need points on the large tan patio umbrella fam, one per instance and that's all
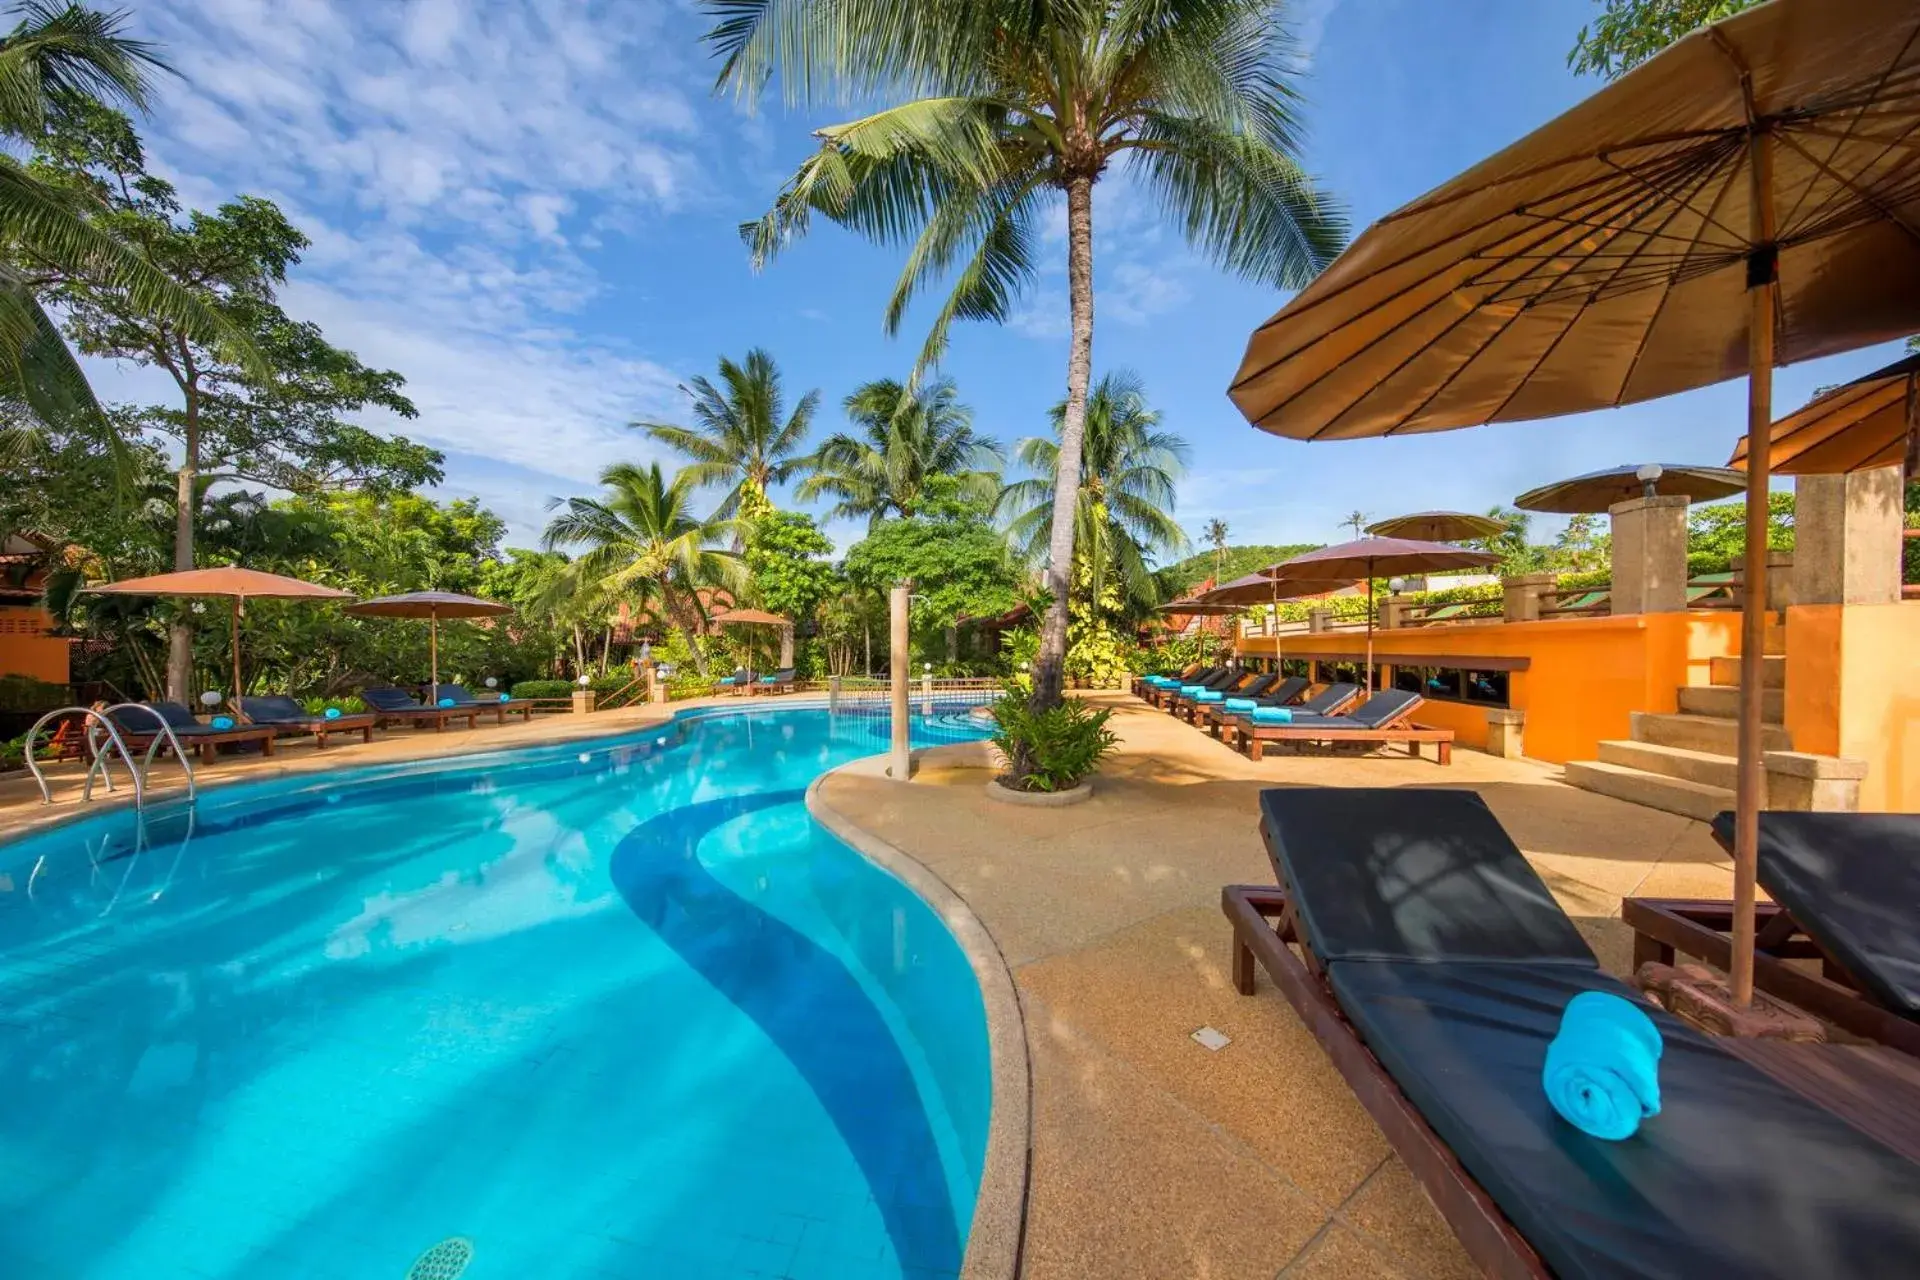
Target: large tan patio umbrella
(1873, 421)
(1596, 492)
(1371, 558)
(433, 606)
(752, 618)
(1438, 526)
(1748, 196)
(231, 581)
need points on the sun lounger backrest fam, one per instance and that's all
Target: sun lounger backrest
(1391, 873)
(389, 698)
(459, 693)
(1852, 881)
(273, 707)
(1287, 690)
(1330, 698)
(1259, 687)
(1385, 707)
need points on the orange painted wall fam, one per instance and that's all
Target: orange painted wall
(25, 649)
(1585, 676)
(1853, 689)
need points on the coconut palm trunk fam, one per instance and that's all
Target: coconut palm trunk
(1049, 669)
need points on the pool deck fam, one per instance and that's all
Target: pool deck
(1152, 1156)
(1155, 1157)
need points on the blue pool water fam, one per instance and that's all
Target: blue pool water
(618, 1009)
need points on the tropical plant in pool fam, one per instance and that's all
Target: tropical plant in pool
(1052, 749)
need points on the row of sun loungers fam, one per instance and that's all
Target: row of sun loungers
(1228, 704)
(1422, 950)
(746, 682)
(270, 718)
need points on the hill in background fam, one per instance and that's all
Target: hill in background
(1178, 579)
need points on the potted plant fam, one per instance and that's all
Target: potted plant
(1051, 755)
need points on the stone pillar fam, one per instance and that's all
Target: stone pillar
(1780, 580)
(786, 646)
(656, 687)
(1846, 538)
(1650, 554)
(926, 693)
(585, 701)
(1393, 612)
(1319, 619)
(833, 693)
(1823, 784)
(1506, 731)
(1524, 595)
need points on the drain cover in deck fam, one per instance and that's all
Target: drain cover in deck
(445, 1261)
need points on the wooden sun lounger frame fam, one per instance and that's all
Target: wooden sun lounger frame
(439, 715)
(207, 745)
(1263, 925)
(1252, 738)
(1703, 928)
(360, 722)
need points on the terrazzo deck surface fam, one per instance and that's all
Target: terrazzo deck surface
(1152, 1156)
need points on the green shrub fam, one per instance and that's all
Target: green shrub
(1051, 750)
(345, 706)
(24, 693)
(1586, 580)
(13, 754)
(543, 689)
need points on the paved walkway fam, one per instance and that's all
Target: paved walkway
(1153, 1157)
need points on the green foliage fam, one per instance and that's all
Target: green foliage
(957, 563)
(1629, 32)
(1050, 750)
(1583, 580)
(788, 571)
(738, 438)
(543, 689)
(1717, 532)
(1182, 652)
(345, 706)
(913, 446)
(13, 753)
(24, 693)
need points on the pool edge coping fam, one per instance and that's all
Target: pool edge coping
(996, 1237)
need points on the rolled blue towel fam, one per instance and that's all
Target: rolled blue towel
(1162, 682)
(1602, 1072)
(1241, 704)
(1193, 690)
(1209, 695)
(1272, 715)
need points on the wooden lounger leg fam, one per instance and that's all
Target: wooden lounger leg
(1256, 749)
(1650, 951)
(1243, 967)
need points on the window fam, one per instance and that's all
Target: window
(1455, 684)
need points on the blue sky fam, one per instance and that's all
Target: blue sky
(528, 208)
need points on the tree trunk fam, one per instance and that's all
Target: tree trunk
(579, 651)
(1049, 668)
(186, 495)
(689, 623)
(866, 631)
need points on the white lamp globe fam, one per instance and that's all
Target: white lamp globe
(211, 698)
(492, 683)
(584, 681)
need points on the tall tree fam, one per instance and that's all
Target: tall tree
(643, 545)
(1006, 105)
(1217, 538)
(1125, 494)
(740, 435)
(59, 61)
(280, 419)
(1356, 521)
(1628, 32)
(907, 436)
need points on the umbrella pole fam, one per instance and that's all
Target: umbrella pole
(1369, 686)
(233, 698)
(1762, 273)
(433, 653)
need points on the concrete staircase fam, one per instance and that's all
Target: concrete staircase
(1684, 762)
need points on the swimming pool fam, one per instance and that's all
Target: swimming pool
(607, 1009)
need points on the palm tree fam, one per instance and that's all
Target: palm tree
(1356, 521)
(1125, 491)
(1006, 104)
(738, 437)
(907, 436)
(1217, 535)
(56, 58)
(645, 546)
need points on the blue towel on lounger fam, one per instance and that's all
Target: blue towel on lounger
(1272, 715)
(1163, 682)
(1602, 1072)
(1209, 695)
(1193, 690)
(1241, 704)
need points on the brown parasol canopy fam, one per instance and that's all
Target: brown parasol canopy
(1869, 422)
(751, 617)
(1371, 558)
(433, 606)
(1745, 197)
(231, 581)
(1596, 492)
(1438, 526)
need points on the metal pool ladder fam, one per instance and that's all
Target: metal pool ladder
(100, 761)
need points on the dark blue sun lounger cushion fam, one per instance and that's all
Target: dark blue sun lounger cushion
(1404, 873)
(1371, 714)
(1852, 881)
(1737, 1176)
